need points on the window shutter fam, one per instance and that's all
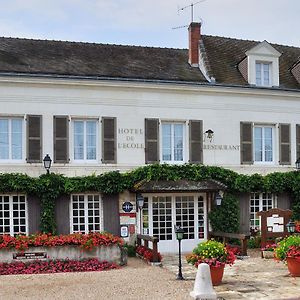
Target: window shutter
(284, 144)
(196, 142)
(297, 141)
(246, 132)
(34, 138)
(61, 139)
(109, 140)
(151, 141)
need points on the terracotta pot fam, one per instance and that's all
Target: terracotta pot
(293, 266)
(216, 274)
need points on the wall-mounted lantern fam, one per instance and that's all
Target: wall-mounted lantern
(208, 134)
(47, 163)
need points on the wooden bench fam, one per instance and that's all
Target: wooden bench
(240, 236)
(147, 239)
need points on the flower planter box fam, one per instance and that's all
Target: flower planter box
(268, 254)
(111, 253)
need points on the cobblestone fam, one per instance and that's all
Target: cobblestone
(251, 278)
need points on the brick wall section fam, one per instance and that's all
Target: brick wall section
(296, 71)
(194, 38)
(243, 68)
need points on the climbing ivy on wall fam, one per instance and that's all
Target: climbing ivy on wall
(51, 186)
(225, 218)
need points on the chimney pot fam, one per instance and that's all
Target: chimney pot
(194, 38)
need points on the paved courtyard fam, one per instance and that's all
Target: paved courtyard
(252, 278)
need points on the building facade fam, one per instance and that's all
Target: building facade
(98, 108)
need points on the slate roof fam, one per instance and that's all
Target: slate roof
(153, 186)
(28, 56)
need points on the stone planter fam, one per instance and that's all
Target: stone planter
(268, 254)
(112, 253)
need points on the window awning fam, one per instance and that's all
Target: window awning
(164, 186)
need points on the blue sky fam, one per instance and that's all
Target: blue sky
(150, 22)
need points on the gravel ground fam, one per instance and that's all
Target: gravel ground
(136, 281)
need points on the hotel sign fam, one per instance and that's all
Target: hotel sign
(131, 137)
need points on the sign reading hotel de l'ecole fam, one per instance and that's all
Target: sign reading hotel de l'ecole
(131, 138)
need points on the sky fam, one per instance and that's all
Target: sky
(150, 22)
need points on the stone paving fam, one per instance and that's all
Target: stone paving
(250, 278)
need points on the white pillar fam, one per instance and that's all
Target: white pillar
(203, 288)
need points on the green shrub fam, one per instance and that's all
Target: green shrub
(130, 250)
(254, 242)
(225, 218)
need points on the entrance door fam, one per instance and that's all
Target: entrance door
(162, 211)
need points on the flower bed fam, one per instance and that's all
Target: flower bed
(147, 253)
(56, 266)
(103, 246)
(85, 241)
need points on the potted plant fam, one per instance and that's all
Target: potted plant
(288, 251)
(216, 255)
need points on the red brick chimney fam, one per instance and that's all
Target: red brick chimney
(194, 38)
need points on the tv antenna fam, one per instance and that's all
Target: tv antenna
(192, 12)
(192, 8)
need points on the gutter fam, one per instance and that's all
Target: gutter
(139, 80)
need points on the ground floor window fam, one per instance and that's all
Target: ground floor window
(13, 214)
(86, 213)
(260, 202)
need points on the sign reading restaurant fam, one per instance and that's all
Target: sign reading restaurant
(129, 136)
(221, 147)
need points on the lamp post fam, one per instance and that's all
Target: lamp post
(140, 204)
(47, 163)
(291, 226)
(179, 235)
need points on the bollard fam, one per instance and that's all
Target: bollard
(203, 288)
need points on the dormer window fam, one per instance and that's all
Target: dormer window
(260, 67)
(263, 73)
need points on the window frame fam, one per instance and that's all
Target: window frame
(262, 63)
(260, 207)
(72, 141)
(23, 139)
(86, 216)
(274, 150)
(11, 215)
(184, 139)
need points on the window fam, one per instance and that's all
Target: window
(263, 77)
(259, 202)
(264, 144)
(13, 214)
(173, 142)
(85, 140)
(11, 139)
(86, 213)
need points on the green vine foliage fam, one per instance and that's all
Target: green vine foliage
(225, 218)
(48, 188)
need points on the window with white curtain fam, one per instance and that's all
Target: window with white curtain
(263, 72)
(11, 139)
(85, 134)
(172, 142)
(264, 144)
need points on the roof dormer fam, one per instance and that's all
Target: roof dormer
(262, 65)
(296, 71)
